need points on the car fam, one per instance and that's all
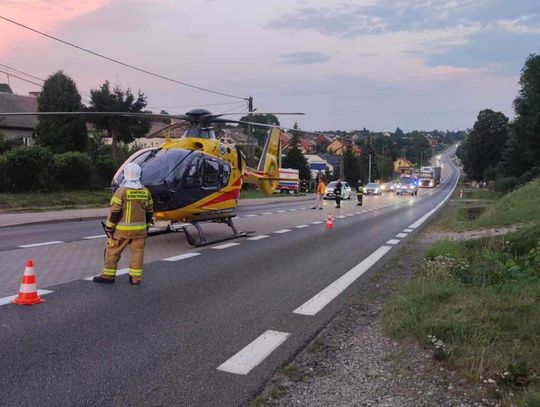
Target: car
(373, 188)
(407, 185)
(387, 186)
(345, 190)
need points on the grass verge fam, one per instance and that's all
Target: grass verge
(42, 201)
(476, 304)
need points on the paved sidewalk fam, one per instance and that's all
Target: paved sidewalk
(27, 218)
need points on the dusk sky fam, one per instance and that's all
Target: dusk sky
(416, 64)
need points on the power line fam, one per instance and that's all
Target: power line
(122, 63)
(186, 106)
(21, 78)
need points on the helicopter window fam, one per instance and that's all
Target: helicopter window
(225, 175)
(194, 174)
(200, 133)
(211, 173)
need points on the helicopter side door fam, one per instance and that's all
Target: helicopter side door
(204, 176)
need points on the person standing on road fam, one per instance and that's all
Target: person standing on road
(321, 190)
(338, 189)
(359, 192)
(128, 222)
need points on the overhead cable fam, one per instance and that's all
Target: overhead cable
(122, 63)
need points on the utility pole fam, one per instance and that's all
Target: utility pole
(342, 163)
(251, 158)
(369, 169)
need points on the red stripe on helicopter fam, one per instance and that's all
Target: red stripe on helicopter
(226, 196)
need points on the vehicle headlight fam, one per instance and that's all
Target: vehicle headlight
(411, 186)
(376, 189)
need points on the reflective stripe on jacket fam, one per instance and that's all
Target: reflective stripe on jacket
(131, 212)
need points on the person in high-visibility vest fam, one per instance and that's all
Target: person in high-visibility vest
(321, 190)
(129, 219)
(359, 192)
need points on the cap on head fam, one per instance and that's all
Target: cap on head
(132, 172)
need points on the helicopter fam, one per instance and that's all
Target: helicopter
(196, 178)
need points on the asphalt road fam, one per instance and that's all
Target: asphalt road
(161, 343)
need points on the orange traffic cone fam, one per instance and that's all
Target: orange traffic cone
(329, 222)
(28, 293)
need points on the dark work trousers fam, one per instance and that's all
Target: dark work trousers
(338, 201)
(359, 197)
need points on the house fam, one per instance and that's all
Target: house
(317, 164)
(18, 127)
(236, 136)
(402, 165)
(305, 144)
(336, 146)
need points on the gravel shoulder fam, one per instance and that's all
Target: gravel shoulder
(351, 362)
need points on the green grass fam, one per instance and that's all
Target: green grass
(476, 304)
(254, 194)
(41, 201)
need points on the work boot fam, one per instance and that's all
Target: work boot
(101, 279)
(134, 280)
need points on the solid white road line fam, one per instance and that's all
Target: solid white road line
(26, 246)
(282, 231)
(120, 272)
(251, 216)
(323, 298)
(402, 235)
(393, 241)
(254, 353)
(95, 237)
(407, 230)
(258, 237)
(317, 222)
(301, 226)
(7, 300)
(182, 256)
(225, 246)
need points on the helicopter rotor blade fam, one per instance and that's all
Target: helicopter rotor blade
(125, 114)
(256, 113)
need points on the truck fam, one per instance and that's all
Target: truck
(286, 186)
(429, 177)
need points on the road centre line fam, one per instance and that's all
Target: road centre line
(393, 241)
(327, 295)
(7, 300)
(254, 353)
(182, 256)
(258, 237)
(266, 213)
(26, 246)
(282, 231)
(292, 210)
(317, 222)
(402, 235)
(407, 230)
(281, 211)
(120, 272)
(225, 246)
(95, 237)
(301, 226)
(302, 208)
(340, 217)
(251, 216)
(350, 214)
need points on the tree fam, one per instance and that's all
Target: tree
(119, 128)
(398, 133)
(61, 133)
(260, 133)
(351, 166)
(296, 160)
(483, 147)
(524, 146)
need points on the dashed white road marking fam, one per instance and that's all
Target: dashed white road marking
(302, 208)
(357, 213)
(225, 246)
(282, 231)
(95, 237)
(259, 237)
(26, 246)
(182, 256)
(7, 300)
(340, 217)
(254, 353)
(251, 216)
(267, 213)
(350, 214)
(393, 241)
(293, 210)
(120, 272)
(301, 226)
(402, 235)
(317, 222)
(407, 230)
(323, 298)
(365, 210)
(281, 211)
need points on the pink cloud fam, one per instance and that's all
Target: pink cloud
(43, 15)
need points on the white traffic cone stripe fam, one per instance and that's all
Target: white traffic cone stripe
(28, 271)
(28, 288)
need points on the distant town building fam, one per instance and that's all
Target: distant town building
(235, 136)
(336, 146)
(402, 165)
(18, 127)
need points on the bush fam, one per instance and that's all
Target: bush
(105, 169)
(72, 170)
(505, 185)
(530, 175)
(3, 180)
(28, 169)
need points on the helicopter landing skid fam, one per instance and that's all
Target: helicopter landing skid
(202, 239)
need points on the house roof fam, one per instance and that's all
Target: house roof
(11, 103)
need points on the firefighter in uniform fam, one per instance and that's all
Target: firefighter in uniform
(338, 190)
(128, 222)
(359, 192)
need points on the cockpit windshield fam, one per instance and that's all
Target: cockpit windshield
(158, 166)
(206, 133)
